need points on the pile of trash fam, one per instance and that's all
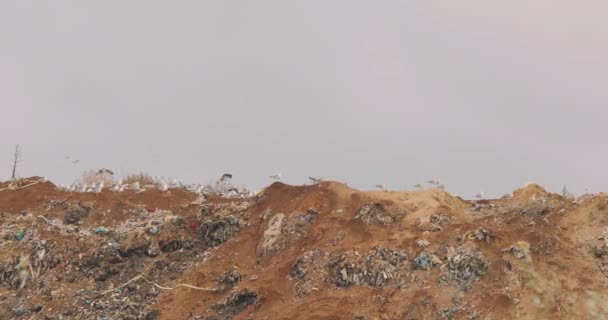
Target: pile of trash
(479, 234)
(376, 213)
(151, 255)
(74, 212)
(520, 250)
(309, 272)
(600, 252)
(284, 230)
(224, 189)
(536, 206)
(377, 268)
(218, 229)
(425, 261)
(434, 222)
(222, 209)
(20, 270)
(228, 280)
(463, 265)
(234, 304)
(219, 222)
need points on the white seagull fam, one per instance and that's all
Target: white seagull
(434, 182)
(164, 186)
(98, 187)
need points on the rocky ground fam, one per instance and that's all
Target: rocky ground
(321, 251)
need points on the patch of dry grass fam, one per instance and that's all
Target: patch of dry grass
(91, 177)
(143, 179)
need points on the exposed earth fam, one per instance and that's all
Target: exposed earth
(320, 251)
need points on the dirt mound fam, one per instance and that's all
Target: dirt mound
(321, 251)
(530, 191)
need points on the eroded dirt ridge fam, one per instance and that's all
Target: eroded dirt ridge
(321, 251)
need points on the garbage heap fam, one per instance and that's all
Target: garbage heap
(463, 266)
(309, 272)
(283, 230)
(377, 213)
(377, 268)
(219, 222)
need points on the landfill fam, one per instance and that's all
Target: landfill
(316, 251)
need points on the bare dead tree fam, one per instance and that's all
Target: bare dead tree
(16, 161)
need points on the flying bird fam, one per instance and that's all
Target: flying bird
(381, 186)
(315, 180)
(226, 177)
(105, 171)
(434, 182)
(276, 176)
(419, 186)
(479, 195)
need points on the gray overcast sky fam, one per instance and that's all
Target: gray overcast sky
(480, 94)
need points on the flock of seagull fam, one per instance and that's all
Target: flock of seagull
(119, 186)
(434, 183)
(222, 186)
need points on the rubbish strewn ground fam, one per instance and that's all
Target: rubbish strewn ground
(321, 251)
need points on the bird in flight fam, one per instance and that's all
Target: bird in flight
(315, 180)
(74, 161)
(419, 186)
(105, 171)
(276, 176)
(381, 186)
(226, 176)
(434, 182)
(479, 195)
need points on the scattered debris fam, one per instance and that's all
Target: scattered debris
(74, 212)
(379, 267)
(434, 222)
(422, 243)
(218, 230)
(19, 235)
(234, 304)
(464, 266)
(376, 213)
(478, 234)
(100, 230)
(228, 280)
(339, 237)
(284, 230)
(520, 250)
(422, 262)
